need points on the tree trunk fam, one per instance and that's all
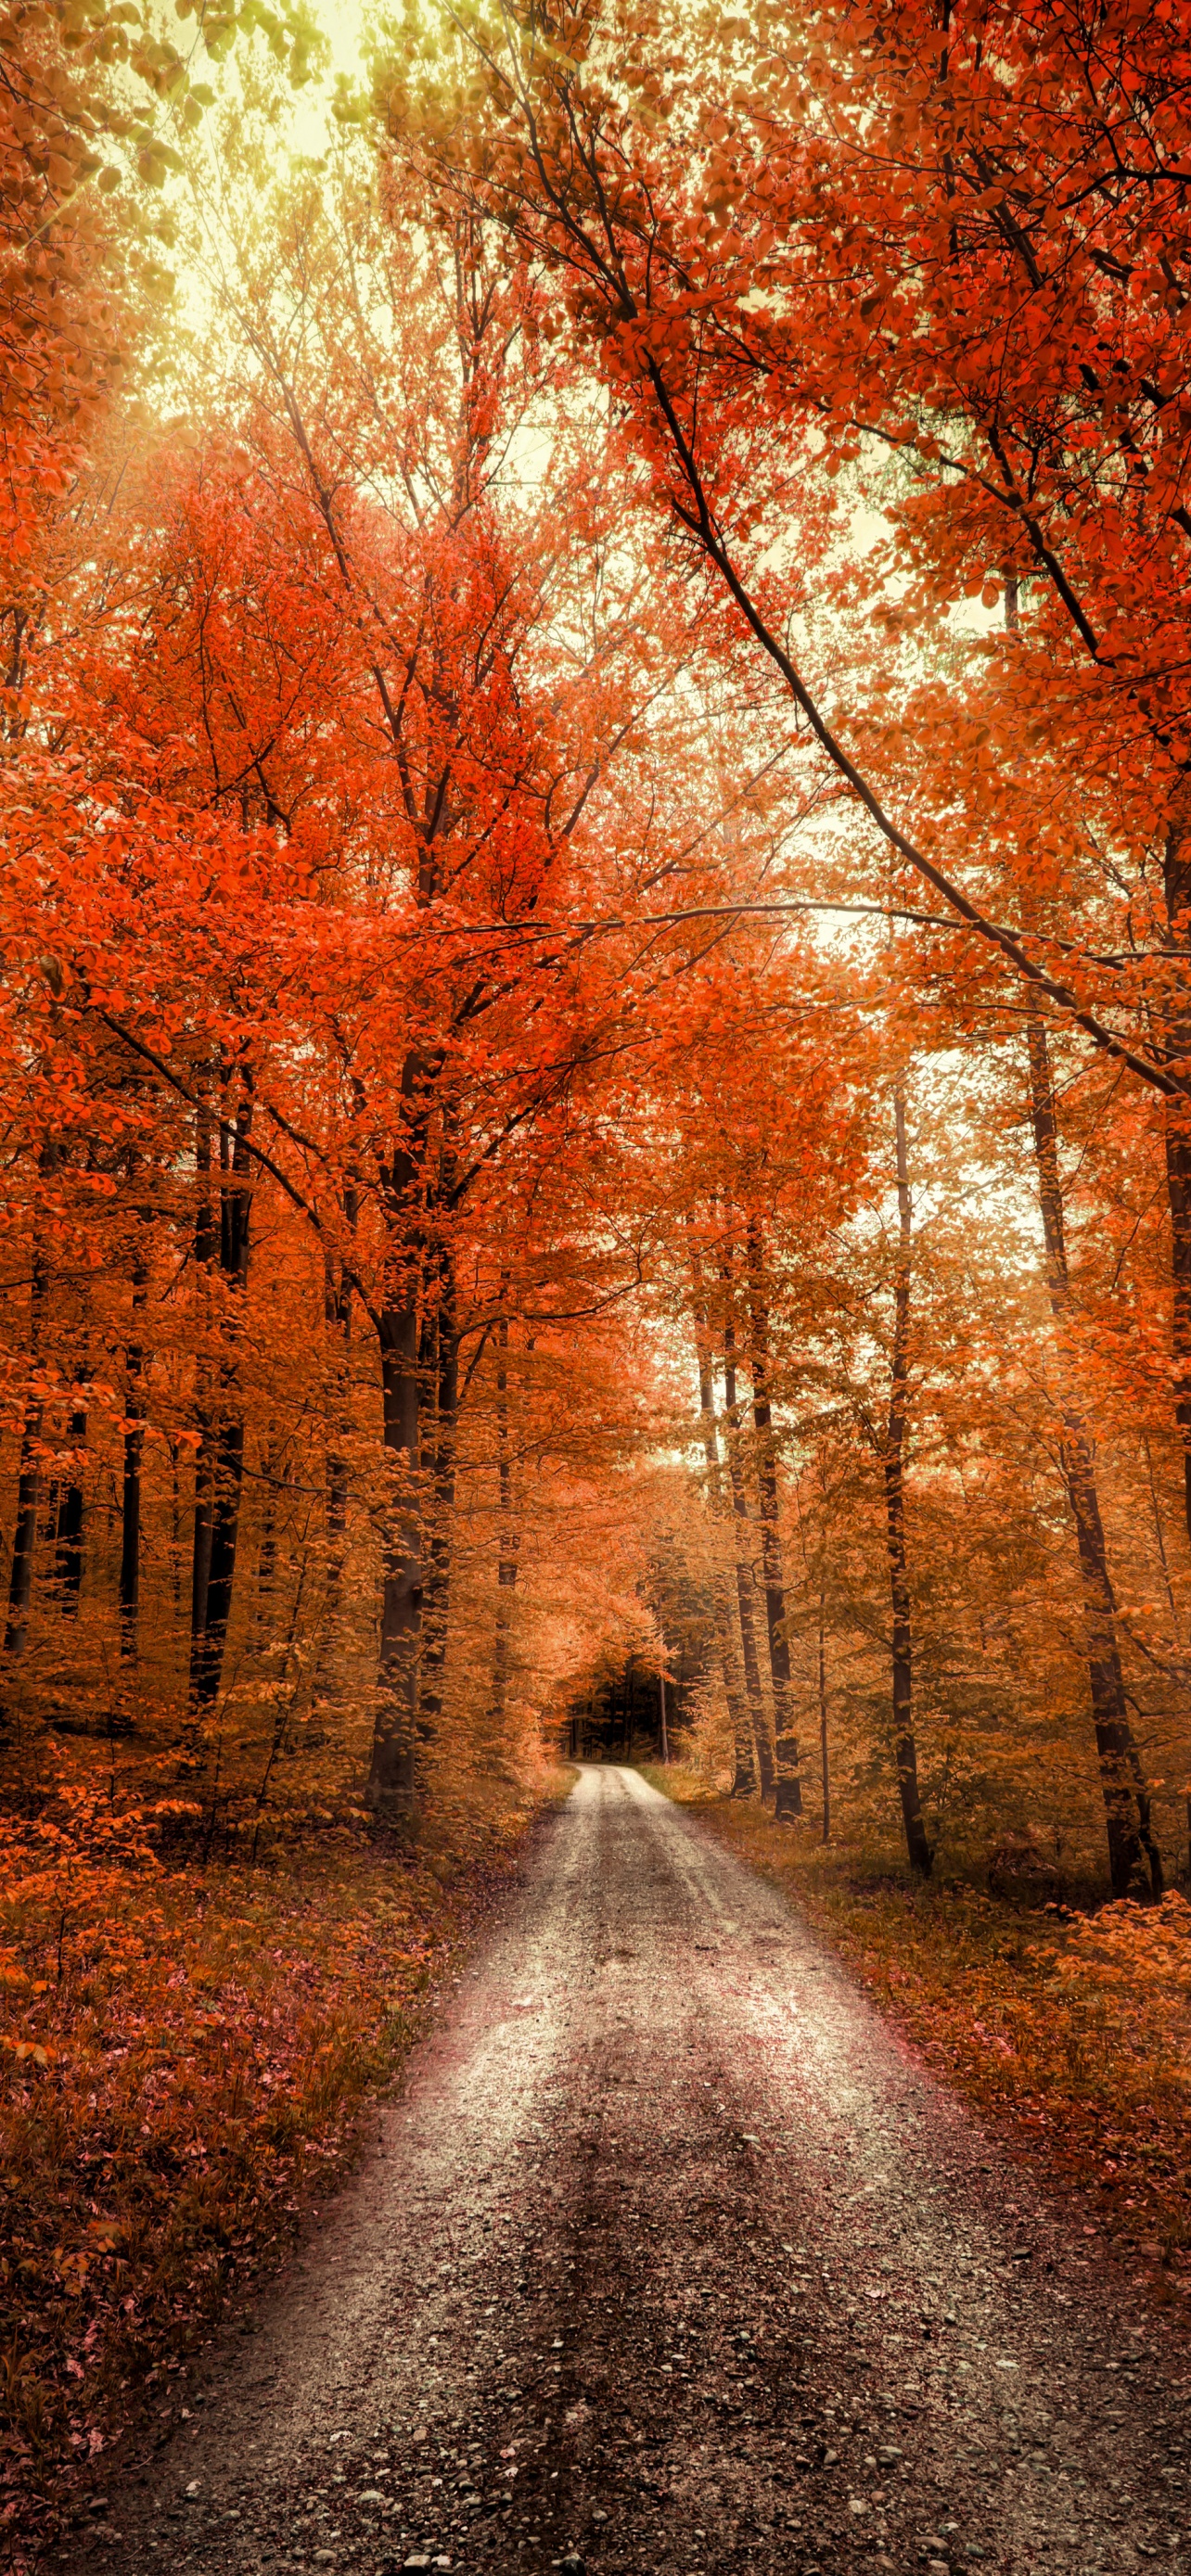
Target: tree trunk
(437, 1605)
(904, 1747)
(392, 1782)
(24, 1545)
(1160, 1538)
(175, 1526)
(391, 1778)
(744, 1773)
(20, 1581)
(227, 1453)
(507, 1556)
(329, 1678)
(1134, 1861)
(130, 1516)
(1177, 1034)
(204, 1461)
(264, 1609)
(823, 1718)
(329, 1683)
(72, 1519)
(744, 1574)
(788, 1786)
(744, 1759)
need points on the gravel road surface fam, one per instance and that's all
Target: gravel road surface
(671, 2256)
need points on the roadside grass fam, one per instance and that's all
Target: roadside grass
(184, 2059)
(1073, 2031)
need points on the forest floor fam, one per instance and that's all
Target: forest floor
(1072, 2031)
(673, 2255)
(190, 2052)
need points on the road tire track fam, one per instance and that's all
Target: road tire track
(671, 2255)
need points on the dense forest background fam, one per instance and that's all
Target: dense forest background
(596, 907)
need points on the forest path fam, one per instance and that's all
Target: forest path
(672, 2256)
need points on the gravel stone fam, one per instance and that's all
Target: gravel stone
(754, 2262)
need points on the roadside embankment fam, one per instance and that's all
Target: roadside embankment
(186, 2056)
(1072, 2028)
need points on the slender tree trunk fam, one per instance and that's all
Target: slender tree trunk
(1160, 1538)
(437, 1605)
(283, 1708)
(904, 1746)
(200, 1565)
(329, 1681)
(266, 1568)
(225, 1529)
(1178, 1185)
(391, 1781)
(175, 1527)
(744, 1774)
(744, 1575)
(1177, 890)
(744, 1755)
(72, 1518)
(507, 1544)
(788, 1786)
(206, 1671)
(1134, 1861)
(204, 1461)
(24, 1545)
(134, 1441)
(823, 1747)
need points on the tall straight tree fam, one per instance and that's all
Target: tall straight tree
(744, 1726)
(787, 1784)
(905, 1749)
(742, 1528)
(1134, 1858)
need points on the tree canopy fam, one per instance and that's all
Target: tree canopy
(596, 1036)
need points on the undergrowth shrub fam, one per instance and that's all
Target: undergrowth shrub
(183, 2055)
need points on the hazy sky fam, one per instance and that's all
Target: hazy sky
(342, 22)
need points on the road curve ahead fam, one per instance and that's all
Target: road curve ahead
(672, 2257)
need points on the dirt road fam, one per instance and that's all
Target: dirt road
(672, 2257)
